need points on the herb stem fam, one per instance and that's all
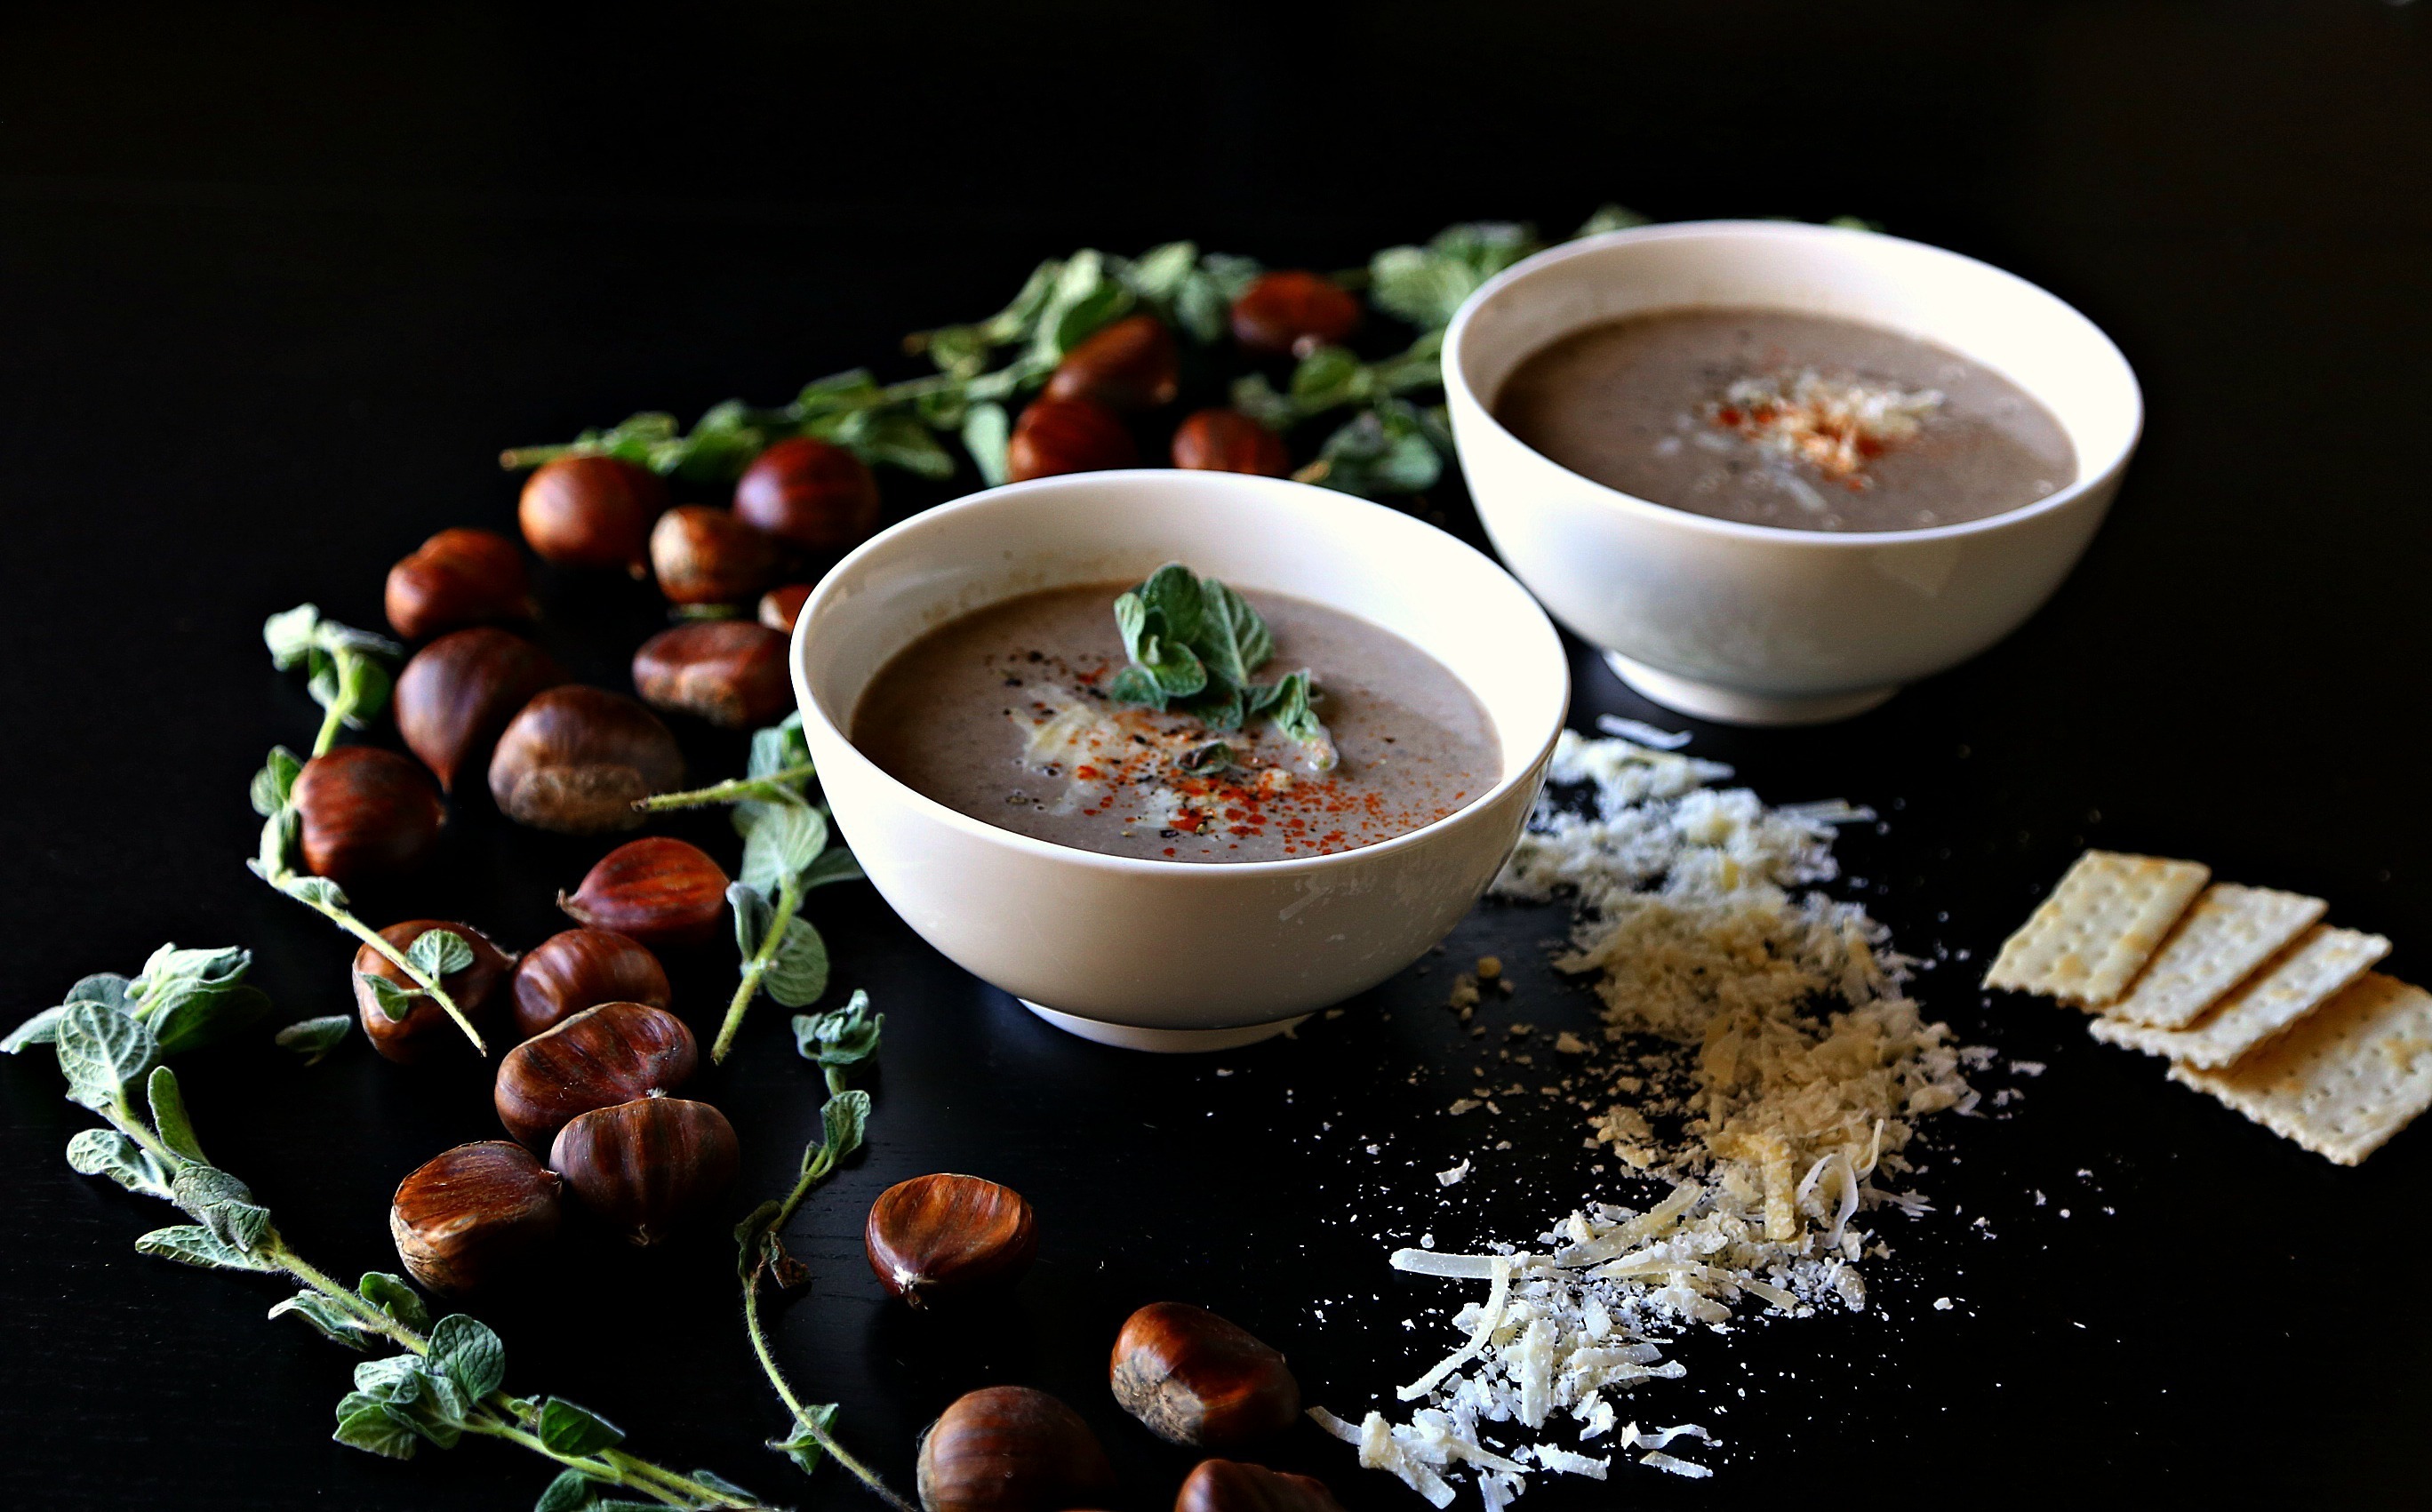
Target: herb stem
(802, 1415)
(334, 719)
(789, 902)
(734, 790)
(422, 979)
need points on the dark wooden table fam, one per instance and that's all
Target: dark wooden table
(275, 287)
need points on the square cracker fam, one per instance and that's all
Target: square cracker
(2345, 1079)
(2106, 916)
(2294, 983)
(2228, 934)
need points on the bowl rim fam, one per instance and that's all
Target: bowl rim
(1514, 774)
(2088, 478)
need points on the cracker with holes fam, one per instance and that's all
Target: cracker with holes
(2301, 978)
(2345, 1079)
(2220, 942)
(2103, 922)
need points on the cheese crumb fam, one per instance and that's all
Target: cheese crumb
(1455, 1176)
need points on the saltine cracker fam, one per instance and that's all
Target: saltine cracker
(2103, 921)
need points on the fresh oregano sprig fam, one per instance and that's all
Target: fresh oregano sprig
(836, 1041)
(348, 669)
(445, 1381)
(185, 997)
(780, 770)
(1193, 643)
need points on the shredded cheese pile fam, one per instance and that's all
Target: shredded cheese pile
(1835, 425)
(1760, 1053)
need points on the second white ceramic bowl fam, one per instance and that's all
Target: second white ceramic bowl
(1163, 954)
(1754, 624)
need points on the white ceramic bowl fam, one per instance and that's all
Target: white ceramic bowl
(1163, 954)
(1756, 624)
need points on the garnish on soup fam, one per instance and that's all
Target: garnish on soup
(1193, 643)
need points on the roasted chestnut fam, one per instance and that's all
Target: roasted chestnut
(583, 968)
(730, 672)
(458, 577)
(599, 1058)
(591, 511)
(942, 1236)
(1010, 1449)
(657, 890)
(1067, 436)
(1292, 312)
(1196, 1379)
(649, 1165)
(460, 691)
(363, 813)
(707, 556)
(1131, 364)
(781, 606)
(576, 760)
(810, 493)
(472, 1213)
(425, 1027)
(1228, 1486)
(1227, 441)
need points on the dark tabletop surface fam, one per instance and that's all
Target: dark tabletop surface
(276, 283)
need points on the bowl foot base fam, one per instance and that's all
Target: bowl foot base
(1170, 1041)
(1729, 706)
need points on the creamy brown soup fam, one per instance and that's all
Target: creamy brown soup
(1003, 714)
(1771, 417)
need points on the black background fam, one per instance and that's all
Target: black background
(276, 283)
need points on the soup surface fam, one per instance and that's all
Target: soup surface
(1004, 715)
(1772, 417)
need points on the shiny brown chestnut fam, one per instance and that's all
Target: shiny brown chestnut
(1130, 365)
(647, 1167)
(810, 493)
(1010, 1449)
(576, 760)
(591, 511)
(583, 968)
(459, 692)
(1227, 441)
(471, 1214)
(426, 1028)
(657, 890)
(781, 606)
(458, 577)
(1197, 1379)
(730, 672)
(703, 555)
(1067, 436)
(363, 813)
(1230, 1485)
(1292, 311)
(942, 1236)
(599, 1058)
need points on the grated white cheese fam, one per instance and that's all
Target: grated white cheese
(1760, 1053)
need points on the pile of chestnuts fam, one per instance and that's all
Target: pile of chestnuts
(1191, 1377)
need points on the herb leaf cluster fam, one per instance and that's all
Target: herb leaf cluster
(347, 669)
(181, 997)
(1194, 645)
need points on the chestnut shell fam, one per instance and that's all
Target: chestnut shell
(810, 493)
(1292, 312)
(365, 813)
(1011, 1449)
(426, 1026)
(576, 760)
(657, 890)
(940, 1234)
(1230, 1485)
(469, 1214)
(1128, 366)
(458, 577)
(1054, 436)
(591, 511)
(1198, 1379)
(703, 555)
(459, 692)
(783, 605)
(1227, 441)
(730, 672)
(647, 1167)
(583, 968)
(599, 1058)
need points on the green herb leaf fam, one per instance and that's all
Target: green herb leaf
(567, 1429)
(835, 864)
(1257, 397)
(1328, 377)
(108, 988)
(194, 1244)
(842, 1123)
(375, 1428)
(103, 1052)
(752, 916)
(1215, 756)
(1291, 713)
(783, 843)
(779, 747)
(986, 432)
(1173, 605)
(1389, 449)
(572, 1491)
(326, 1318)
(213, 968)
(802, 1447)
(312, 1038)
(191, 1014)
(397, 1379)
(840, 1036)
(313, 892)
(440, 952)
(289, 636)
(39, 1030)
(722, 1484)
(393, 1296)
(468, 1354)
(225, 1204)
(275, 782)
(1609, 218)
(108, 1152)
(798, 973)
(169, 1117)
(390, 999)
(1232, 639)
